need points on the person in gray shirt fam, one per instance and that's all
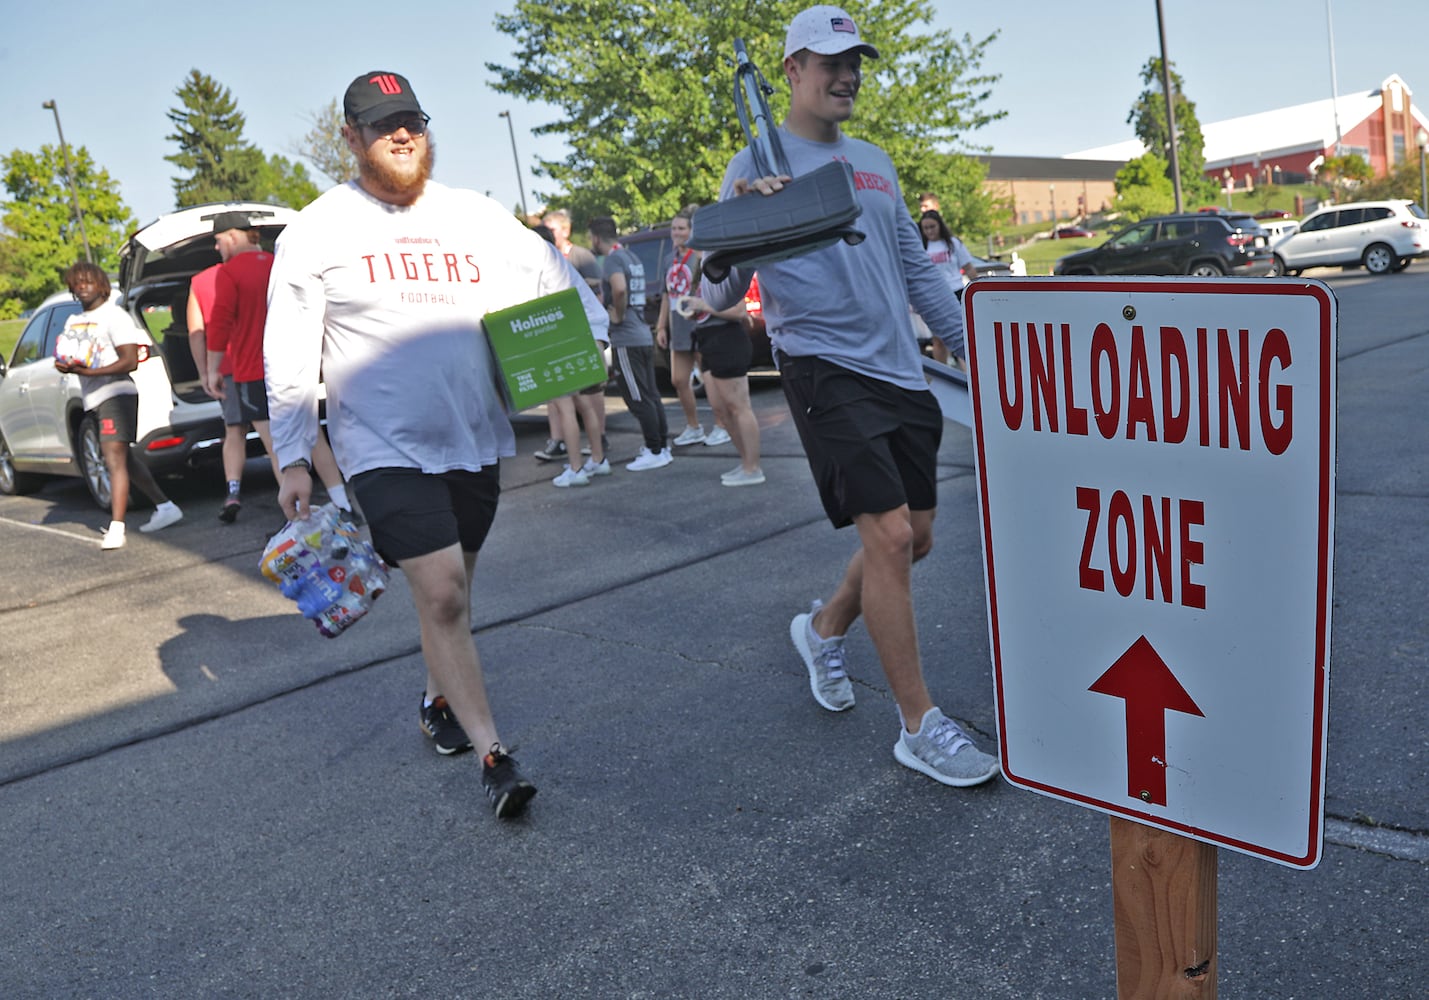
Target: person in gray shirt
(853, 376)
(631, 345)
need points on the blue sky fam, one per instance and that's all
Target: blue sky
(1070, 71)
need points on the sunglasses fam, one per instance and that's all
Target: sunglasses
(415, 125)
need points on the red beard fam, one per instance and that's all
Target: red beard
(380, 174)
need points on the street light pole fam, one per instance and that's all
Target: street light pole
(1423, 138)
(73, 191)
(1052, 194)
(519, 185)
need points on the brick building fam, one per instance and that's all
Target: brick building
(1288, 145)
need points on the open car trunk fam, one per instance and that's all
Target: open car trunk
(156, 265)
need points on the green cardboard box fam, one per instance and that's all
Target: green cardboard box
(544, 349)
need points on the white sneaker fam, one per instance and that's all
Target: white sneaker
(165, 514)
(942, 751)
(690, 435)
(592, 469)
(717, 436)
(648, 459)
(113, 537)
(742, 478)
(571, 477)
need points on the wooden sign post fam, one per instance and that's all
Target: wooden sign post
(1163, 890)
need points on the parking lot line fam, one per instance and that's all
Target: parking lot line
(53, 531)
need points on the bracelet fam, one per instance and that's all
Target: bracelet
(300, 463)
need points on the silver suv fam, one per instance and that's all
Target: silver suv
(43, 428)
(1381, 236)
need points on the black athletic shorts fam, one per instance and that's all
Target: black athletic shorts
(252, 401)
(413, 513)
(232, 409)
(724, 349)
(872, 445)
(118, 418)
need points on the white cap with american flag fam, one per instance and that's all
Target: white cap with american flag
(827, 30)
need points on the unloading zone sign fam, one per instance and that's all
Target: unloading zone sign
(1156, 465)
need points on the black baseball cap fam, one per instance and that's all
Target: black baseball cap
(376, 95)
(224, 221)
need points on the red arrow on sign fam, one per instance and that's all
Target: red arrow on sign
(1151, 690)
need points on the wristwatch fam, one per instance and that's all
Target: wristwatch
(300, 463)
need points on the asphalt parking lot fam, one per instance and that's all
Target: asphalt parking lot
(200, 796)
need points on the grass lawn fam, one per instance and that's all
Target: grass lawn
(10, 330)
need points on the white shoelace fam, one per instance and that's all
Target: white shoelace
(948, 738)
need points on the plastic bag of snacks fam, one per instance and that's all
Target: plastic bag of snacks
(324, 565)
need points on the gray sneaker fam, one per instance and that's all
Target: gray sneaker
(943, 752)
(825, 660)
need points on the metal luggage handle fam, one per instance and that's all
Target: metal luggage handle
(751, 92)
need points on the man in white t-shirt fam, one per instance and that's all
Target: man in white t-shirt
(379, 287)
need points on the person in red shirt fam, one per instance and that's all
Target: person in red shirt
(233, 328)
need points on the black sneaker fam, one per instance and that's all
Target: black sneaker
(228, 513)
(555, 451)
(442, 728)
(507, 790)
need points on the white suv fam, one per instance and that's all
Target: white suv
(1381, 236)
(43, 428)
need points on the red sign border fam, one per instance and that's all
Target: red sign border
(1325, 532)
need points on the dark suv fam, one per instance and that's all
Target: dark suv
(1202, 244)
(651, 246)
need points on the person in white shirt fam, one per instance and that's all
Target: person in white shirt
(379, 287)
(951, 257)
(101, 345)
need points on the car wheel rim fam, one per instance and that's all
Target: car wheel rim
(7, 470)
(95, 471)
(1378, 261)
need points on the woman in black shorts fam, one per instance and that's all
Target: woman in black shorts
(722, 340)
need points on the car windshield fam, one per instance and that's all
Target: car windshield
(1416, 211)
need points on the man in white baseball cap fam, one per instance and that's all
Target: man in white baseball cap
(853, 376)
(826, 30)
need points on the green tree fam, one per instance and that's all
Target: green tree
(1143, 188)
(1343, 174)
(1401, 182)
(41, 237)
(283, 182)
(324, 146)
(645, 90)
(208, 127)
(1148, 117)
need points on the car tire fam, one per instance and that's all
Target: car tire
(14, 483)
(89, 454)
(1207, 269)
(1400, 264)
(1379, 258)
(1277, 266)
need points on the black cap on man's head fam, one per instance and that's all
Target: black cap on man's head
(376, 95)
(224, 221)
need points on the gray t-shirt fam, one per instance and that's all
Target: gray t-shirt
(631, 331)
(849, 304)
